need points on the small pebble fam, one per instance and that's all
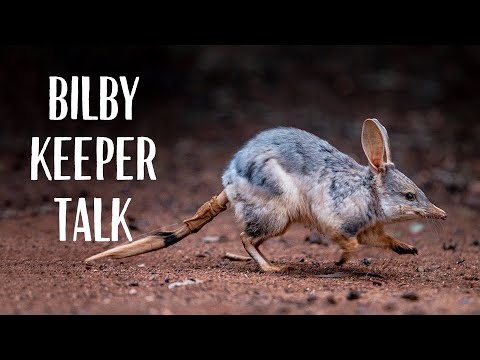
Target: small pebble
(390, 307)
(184, 283)
(311, 298)
(376, 283)
(461, 261)
(133, 283)
(149, 298)
(450, 246)
(410, 295)
(301, 260)
(141, 265)
(366, 261)
(132, 291)
(214, 238)
(353, 295)
(420, 269)
(331, 300)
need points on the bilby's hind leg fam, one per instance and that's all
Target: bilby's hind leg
(251, 247)
(348, 245)
(377, 237)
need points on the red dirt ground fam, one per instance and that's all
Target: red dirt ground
(41, 275)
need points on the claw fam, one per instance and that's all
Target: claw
(405, 249)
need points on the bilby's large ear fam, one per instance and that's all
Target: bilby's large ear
(375, 144)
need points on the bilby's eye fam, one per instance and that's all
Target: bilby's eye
(410, 196)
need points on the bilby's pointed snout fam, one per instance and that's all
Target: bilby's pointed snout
(436, 212)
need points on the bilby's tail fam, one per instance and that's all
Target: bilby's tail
(162, 239)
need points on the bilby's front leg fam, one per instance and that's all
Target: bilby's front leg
(348, 245)
(398, 246)
(377, 237)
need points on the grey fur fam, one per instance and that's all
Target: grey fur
(286, 175)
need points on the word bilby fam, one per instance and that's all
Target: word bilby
(105, 150)
(105, 97)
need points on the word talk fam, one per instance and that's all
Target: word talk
(82, 224)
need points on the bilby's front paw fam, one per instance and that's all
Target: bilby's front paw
(402, 248)
(341, 261)
(344, 258)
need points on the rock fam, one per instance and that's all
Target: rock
(461, 261)
(476, 242)
(366, 261)
(311, 298)
(141, 265)
(331, 300)
(214, 238)
(390, 307)
(420, 269)
(451, 245)
(376, 283)
(132, 292)
(416, 228)
(133, 283)
(410, 295)
(353, 295)
(184, 283)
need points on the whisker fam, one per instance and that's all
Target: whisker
(436, 225)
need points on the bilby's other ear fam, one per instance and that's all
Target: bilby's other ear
(375, 144)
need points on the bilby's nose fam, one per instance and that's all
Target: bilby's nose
(437, 212)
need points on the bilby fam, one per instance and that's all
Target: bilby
(286, 175)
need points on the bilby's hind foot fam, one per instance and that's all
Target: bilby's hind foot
(257, 255)
(273, 268)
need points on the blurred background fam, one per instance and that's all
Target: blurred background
(200, 103)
